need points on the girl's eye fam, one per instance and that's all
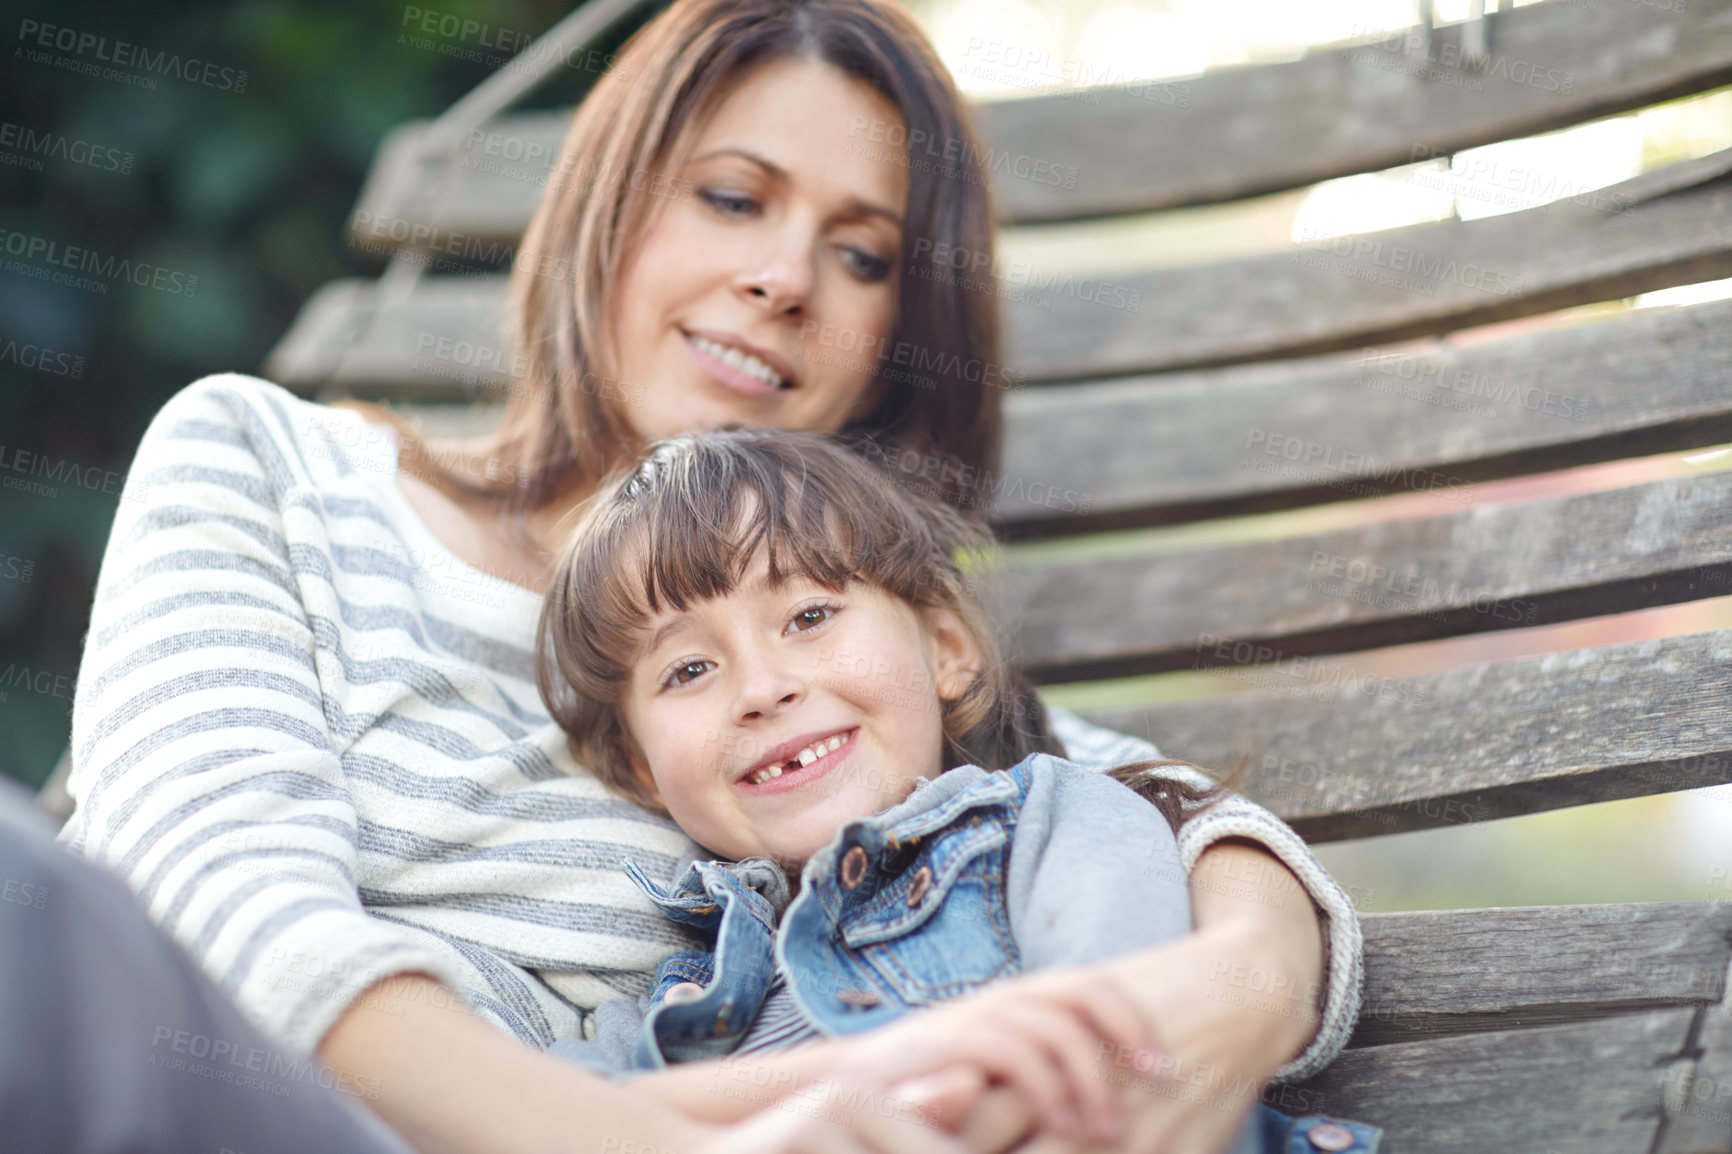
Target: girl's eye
(686, 672)
(863, 266)
(811, 617)
(729, 203)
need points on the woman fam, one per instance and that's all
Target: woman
(306, 728)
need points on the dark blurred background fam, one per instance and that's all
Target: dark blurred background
(242, 181)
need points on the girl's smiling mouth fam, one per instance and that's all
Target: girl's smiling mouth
(814, 759)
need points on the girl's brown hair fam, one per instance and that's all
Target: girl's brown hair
(685, 524)
(562, 429)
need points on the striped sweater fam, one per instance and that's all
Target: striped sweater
(309, 738)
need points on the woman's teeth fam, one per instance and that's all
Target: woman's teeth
(735, 359)
(805, 757)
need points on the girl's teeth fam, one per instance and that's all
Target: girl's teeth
(805, 757)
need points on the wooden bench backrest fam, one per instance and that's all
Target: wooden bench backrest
(1266, 383)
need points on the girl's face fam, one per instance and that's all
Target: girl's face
(769, 717)
(769, 262)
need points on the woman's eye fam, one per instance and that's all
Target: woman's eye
(812, 617)
(864, 266)
(689, 671)
(729, 203)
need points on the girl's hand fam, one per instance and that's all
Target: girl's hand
(1042, 1035)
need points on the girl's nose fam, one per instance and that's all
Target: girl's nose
(767, 688)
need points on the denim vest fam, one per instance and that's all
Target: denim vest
(898, 911)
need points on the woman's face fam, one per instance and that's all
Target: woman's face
(764, 288)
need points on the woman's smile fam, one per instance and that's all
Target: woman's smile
(745, 368)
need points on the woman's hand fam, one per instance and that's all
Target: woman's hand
(1041, 1035)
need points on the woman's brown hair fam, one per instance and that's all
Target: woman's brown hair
(684, 525)
(562, 429)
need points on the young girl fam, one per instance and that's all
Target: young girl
(760, 635)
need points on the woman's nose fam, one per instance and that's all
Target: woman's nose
(780, 281)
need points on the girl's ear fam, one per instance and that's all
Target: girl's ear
(955, 656)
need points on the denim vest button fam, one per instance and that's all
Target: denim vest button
(682, 992)
(917, 887)
(1329, 1136)
(853, 869)
(861, 998)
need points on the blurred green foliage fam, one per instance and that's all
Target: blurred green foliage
(244, 183)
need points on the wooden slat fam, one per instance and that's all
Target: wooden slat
(1698, 1090)
(1180, 447)
(1586, 1088)
(440, 339)
(1445, 972)
(1240, 131)
(1563, 255)
(1343, 757)
(1485, 568)
(1400, 283)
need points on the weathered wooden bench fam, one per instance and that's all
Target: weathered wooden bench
(1266, 383)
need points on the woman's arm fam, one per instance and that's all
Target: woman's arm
(453, 1084)
(1258, 884)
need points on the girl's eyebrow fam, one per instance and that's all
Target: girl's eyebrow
(854, 206)
(660, 635)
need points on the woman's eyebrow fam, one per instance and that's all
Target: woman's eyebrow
(855, 206)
